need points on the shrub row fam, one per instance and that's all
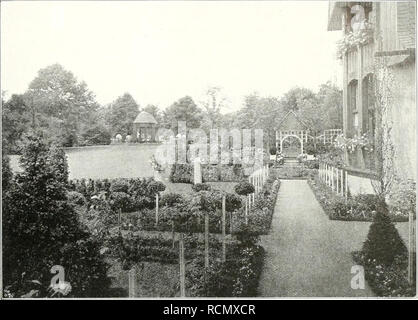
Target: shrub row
(183, 173)
(186, 213)
(296, 172)
(134, 248)
(361, 207)
(125, 194)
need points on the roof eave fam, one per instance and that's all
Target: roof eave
(335, 15)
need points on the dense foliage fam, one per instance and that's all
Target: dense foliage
(385, 257)
(41, 229)
(360, 207)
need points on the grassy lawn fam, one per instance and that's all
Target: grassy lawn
(113, 161)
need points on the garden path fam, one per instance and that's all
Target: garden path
(308, 255)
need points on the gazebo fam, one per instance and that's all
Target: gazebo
(145, 127)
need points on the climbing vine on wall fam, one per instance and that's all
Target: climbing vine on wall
(385, 150)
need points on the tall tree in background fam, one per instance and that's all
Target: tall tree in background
(16, 119)
(121, 113)
(214, 101)
(331, 100)
(63, 106)
(184, 109)
(155, 111)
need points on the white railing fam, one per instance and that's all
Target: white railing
(257, 179)
(335, 178)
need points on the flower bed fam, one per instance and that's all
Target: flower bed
(183, 173)
(384, 257)
(134, 248)
(238, 276)
(295, 172)
(356, 208)
(387, 281)
(261, 213)
(188, 215)
(125, 194)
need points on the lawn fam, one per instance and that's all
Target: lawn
(113, 161)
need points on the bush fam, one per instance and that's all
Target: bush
(52, 233)
(121, 200)
(76, 198)
(97, 135)
(171, 199)
(181, 173)
(273, 151)
(244, 188)
(201, 187)
(232, 202)
(383, 241)
(119, 185)
(233, 172)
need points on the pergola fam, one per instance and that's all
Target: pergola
(291, 126)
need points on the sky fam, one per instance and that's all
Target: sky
(162, 51)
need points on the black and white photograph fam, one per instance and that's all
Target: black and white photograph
(196, 150)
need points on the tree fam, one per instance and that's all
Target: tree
(214, 102)
(121, 114)
(331, 100)
(183, 110)
(41, 228)
(155, 111)
(383, 241)
(60, 105)
(16, 119)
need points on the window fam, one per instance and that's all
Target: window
(352, 116)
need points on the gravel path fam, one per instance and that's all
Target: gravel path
(308, 255)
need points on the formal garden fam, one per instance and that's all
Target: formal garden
(114, 226)
(88, 211)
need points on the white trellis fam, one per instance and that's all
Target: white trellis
(301, 135)
(329, 136)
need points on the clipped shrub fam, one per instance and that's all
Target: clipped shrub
(210, 173)
(171, 199)
(232, 202)
(383, 241)
(201, 187)
(156, 187)
(76, 198)
(119, 185)
(244, 188)
(181, 173)
(120, 200)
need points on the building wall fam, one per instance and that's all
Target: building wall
(403, 118)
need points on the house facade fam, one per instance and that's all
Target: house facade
(378, 61)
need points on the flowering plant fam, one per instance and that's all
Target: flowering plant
(353, 39)
(155, 165)
(365, 141)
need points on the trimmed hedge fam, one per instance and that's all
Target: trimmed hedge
(183, 173)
